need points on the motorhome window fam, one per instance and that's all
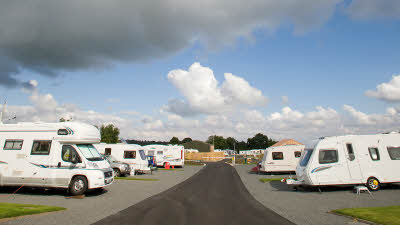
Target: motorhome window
(69, 154)
(159, 152)
(107, 151)
(62, 132)
(328, 156)
(394, 153)
(297, 154)
(306, 157)
(374, 153)
(142, 155)
(130, 154)
(41, 148)
(277, 155)
(89, 152)
(350, 151)
(13, 145)
(150, 153)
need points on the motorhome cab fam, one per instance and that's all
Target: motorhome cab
(173, 154)
(281, 158)
(59, 155)
(353, 159)
(133, 155)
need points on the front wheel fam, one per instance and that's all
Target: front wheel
(78, 185)
(373, 184)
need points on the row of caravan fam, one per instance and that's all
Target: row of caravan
(69, 155)
(370, 160)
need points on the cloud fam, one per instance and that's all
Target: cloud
(389, 92)
(285, 100)
(374, 9)
(203, 94)
(51, 37)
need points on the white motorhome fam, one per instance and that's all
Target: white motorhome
(131, 154)
(281, 158)
(351, 160)
(59, 155)
(173, 154)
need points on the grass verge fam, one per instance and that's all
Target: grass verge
(135, 178)
(8, 210)
(265, 180)
(381, 215)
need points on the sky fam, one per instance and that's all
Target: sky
(164, 68)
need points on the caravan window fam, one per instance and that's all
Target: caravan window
(328, 156)
(141, 153)
(277, 155)
(374, 153)
(13, 145)
(297, 154)
(69, 154)
(41, 148)
(129, 154)
(306, 157)
(350, 151)
(394, 153)
(159, 152)
(150, 153)
(107, 151)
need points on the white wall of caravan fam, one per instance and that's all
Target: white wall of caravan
(118, 150)
(289, 161)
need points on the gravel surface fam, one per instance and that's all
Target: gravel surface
(214, 196)
(96, 205)
(311, 207)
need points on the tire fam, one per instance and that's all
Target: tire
(78, 186)
(373, 184)
(117, 172)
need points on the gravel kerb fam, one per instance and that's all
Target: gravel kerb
(312, 207)
(96, 205)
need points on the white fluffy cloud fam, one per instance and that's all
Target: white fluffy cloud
(372, 9)
(389, 92)
(203, 94)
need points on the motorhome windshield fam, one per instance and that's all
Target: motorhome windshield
(142, 155)
(306, 157)
(89, 152)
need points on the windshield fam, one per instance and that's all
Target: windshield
(89, 152)
(306, 157)
(142, 155)
(111, 158)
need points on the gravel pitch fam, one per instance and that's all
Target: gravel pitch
(311, 206)
(96, 205)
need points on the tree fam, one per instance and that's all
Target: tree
(186, 140)
(219, 142)
(231, 142)
(259, 141)
(174, 141)
(109, 134)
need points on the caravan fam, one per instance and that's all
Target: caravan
(59, 155)
(172, 154)
(126, 153)
(350, 160)
(281, 158)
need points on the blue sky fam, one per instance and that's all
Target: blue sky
(331, 64)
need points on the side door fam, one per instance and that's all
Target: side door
(353, 164)
(331, 169)
(68, 161)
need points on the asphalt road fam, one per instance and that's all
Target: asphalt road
(215, 195)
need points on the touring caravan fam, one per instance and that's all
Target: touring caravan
(173, 154)
(281, 158)
(131, 154)
(351, 160)
(59, 155)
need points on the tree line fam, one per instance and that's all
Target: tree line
(109, 134)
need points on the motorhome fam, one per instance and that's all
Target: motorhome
(281, 158)
(172, 154)
(131, 154)
(52, 155)
(351, 160)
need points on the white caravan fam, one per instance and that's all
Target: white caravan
(281, 158)
(350, 160)
(131, 154)
(59, 155)
(173, 154)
